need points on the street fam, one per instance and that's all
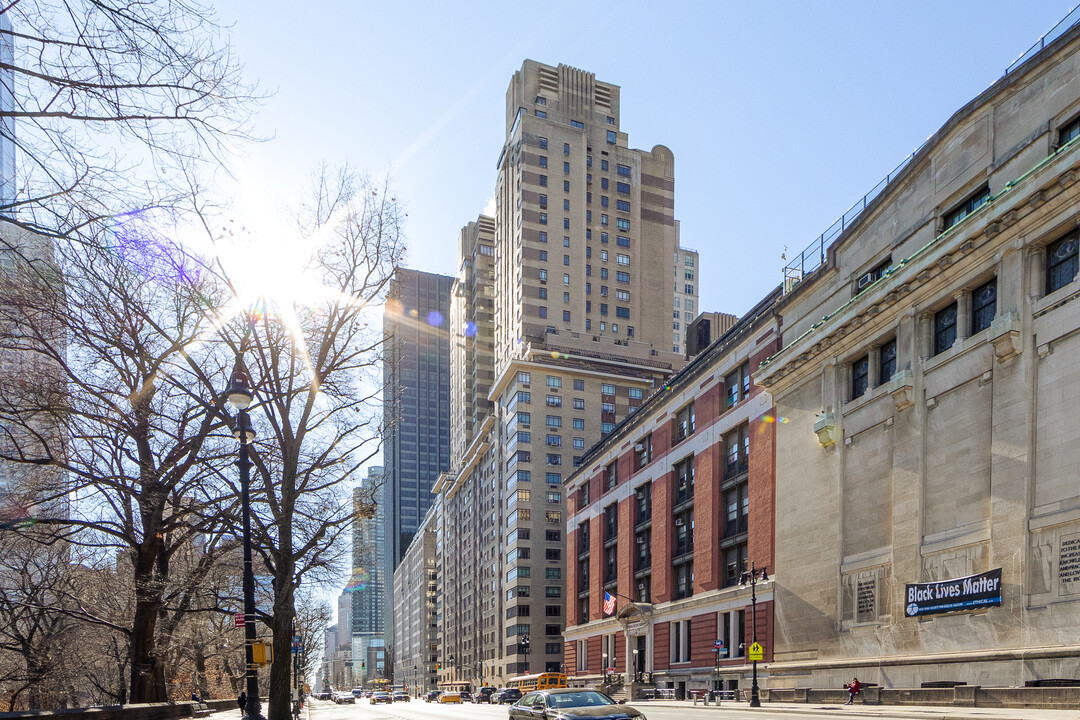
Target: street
(420, 710)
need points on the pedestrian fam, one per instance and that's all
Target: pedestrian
(242, 702)
(194, 696)
(853, 689)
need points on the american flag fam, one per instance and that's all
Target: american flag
(609, 603)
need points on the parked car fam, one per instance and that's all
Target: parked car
(483, 695)
(343, 697)
(450, 697)
(401, 696)
(572, 704)
(505, 695)
(432, 696)
(381, 696)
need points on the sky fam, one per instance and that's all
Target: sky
(780, 115)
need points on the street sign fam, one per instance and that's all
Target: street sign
(297, 644)
(718, 644)
(756, 652)
(238, 619)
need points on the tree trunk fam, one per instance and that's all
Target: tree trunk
(281, 669)
(147, 673)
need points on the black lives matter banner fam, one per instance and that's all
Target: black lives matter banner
(966, 593)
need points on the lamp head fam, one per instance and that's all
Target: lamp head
(764, 575)
(240, 393)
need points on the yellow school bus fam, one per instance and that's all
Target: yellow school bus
(542, 681)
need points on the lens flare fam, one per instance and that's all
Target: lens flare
(435, 318)
(358, 581)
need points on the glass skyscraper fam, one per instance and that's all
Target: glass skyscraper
(416, 407)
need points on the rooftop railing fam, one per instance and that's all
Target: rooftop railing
(813, 256)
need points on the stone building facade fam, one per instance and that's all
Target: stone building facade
(930, 380)
(415, 633)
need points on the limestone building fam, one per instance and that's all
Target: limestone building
(930, 377)
(684, 306)
(415, 627)
(582, 252)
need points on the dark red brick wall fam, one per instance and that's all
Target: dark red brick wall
(661, 646)
(662, 538)
(595, 656)
(708, 519)
(570, 658)
(596, 568)
(702, 635)
(764, 627)
(626, 550)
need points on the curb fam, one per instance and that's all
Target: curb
(886, 711)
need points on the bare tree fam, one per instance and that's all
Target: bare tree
(315, 365)
(108, 103)
(116, 392)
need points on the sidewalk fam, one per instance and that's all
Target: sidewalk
(914, 712)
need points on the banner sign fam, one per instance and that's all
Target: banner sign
(966, 593)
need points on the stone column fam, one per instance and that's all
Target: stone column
(963, 315)
(874, 366)
(926, 334)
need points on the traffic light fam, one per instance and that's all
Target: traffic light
(438, 667)
(363, 665)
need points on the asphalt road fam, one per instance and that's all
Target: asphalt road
(420, 710)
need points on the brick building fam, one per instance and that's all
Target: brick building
(666, 513)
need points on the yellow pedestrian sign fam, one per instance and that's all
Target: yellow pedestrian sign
(756, 652)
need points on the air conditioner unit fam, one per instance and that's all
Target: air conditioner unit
(865, 280)
(641, 586)
(641, 540)
(679, 521)
(640, 447)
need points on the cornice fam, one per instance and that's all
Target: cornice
(1016, 205)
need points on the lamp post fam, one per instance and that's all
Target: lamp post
(525, 647)
(637, 668)
(453, 675)
(752, 578)
(240, 396)
(605, 668)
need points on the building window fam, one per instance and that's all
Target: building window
(606, 427)
(543, 311)
(554, 421)
(541, 114)
(737, 385)
(887, 366)
(543, 256)
(543, 275)
(1061, 263)
(579, 423)
(622, 259)
(524, 377)
(734, 564)
(566, 168)
(684, 423)
(736, 452)
(553, 516)
(736, 511)
(684, 481)
(577, 124)
(553, 459)
(1069, 132)
(543, 236)
(967, 207)
(622, 188)
(523, 397)
(680, 641)
(543, 181)
(579, 443)
(566, 316)
(611, 137)
(607, 389)
(623, 224)
(622, 312)
(543, 161)
(603, 219)
(553, 440)
(622, 241)
(541, 100)
(860, 376)
(611, 477)
(622, 206)
(623, 170)
(623, 277)
(579, 403)
(983, 306)
(944, 328)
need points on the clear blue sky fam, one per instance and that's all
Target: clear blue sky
(780, 114)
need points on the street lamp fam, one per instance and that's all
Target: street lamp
(752, 579)
(525, 647)
(605, 668)
(240, 395)
(637, 668)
